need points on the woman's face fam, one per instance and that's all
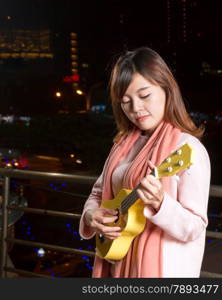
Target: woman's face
(144, 103)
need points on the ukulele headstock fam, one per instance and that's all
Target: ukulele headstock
(179, 160)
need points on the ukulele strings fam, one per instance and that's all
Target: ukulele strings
(132, 197)
(129, 200)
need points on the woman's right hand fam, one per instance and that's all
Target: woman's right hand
(99, 217)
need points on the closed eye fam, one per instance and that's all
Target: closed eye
(144, 97)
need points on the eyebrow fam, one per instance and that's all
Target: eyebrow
(143, 88)
(140, 89)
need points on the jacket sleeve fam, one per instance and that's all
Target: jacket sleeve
(92, 202)
(185, 218)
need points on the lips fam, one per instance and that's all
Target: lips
(142, 118)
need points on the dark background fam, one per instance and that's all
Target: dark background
(186, 33)
(43, 44)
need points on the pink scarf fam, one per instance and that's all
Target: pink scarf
(144, 258)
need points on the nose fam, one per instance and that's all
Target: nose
(136, 104)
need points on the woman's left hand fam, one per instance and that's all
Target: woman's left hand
(151, 191)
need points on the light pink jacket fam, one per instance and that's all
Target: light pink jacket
(182, 216)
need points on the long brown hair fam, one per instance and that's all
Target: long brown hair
(151, 66)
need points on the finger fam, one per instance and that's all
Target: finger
(152, 168)
(108, 211)
(154, 181)
(103, 228)
(146, 185)
(110, 231)
(109, 219)
(145, 197)
(150, 195)
(151, 202)
(151, 165)
(105, 219)
(153, 184)
(113, 235)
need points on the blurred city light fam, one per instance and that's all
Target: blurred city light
(58, 94)
(79, 92)
(41, 252)
(98, 108)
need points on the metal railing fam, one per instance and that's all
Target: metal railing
(7, 174)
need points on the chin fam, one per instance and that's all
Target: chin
(145, 127)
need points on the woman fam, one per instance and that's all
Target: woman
(152, 122)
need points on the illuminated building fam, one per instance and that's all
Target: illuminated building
(74, 58)
(27, 66)
(182, 25)
(25, 44)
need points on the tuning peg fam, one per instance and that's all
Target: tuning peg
(180, 163)
(179, 152)
(169, 169)
(168, 159)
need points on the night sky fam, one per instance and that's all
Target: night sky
(135, 21)
(106, 28)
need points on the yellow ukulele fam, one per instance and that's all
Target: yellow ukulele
(130, 207)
